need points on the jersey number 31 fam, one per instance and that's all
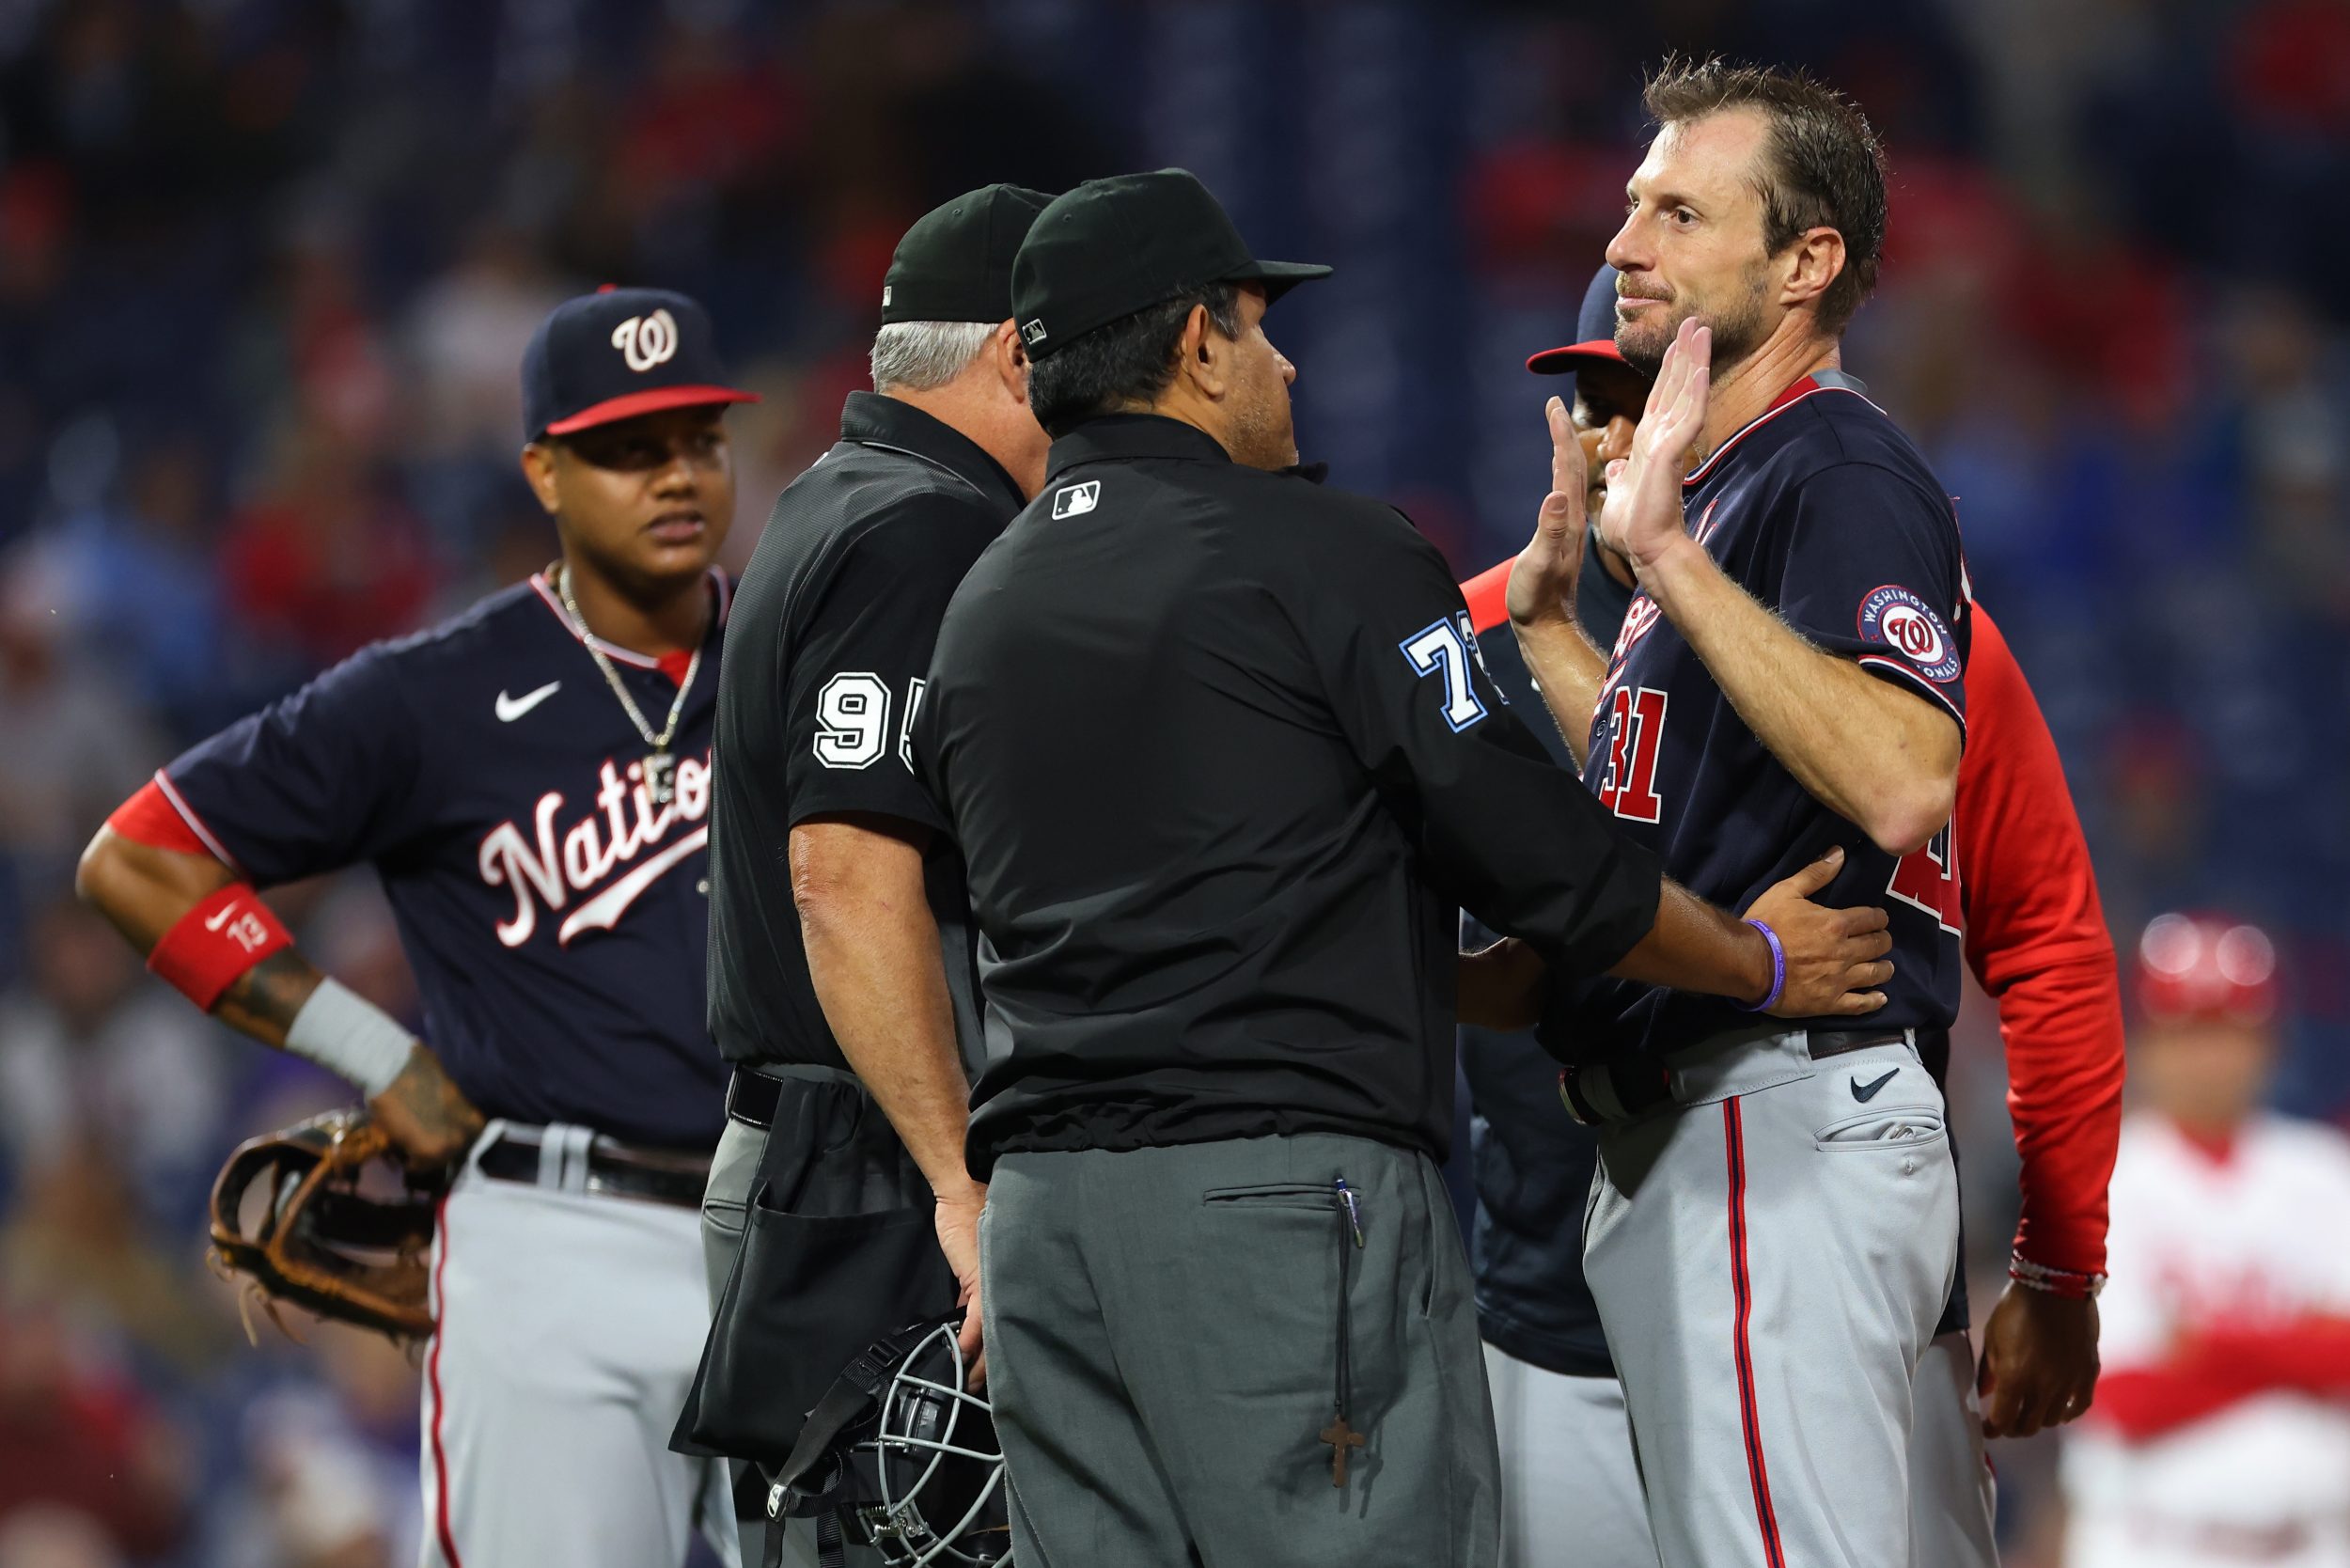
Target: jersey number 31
(1636, 727)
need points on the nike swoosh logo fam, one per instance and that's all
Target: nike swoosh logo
(221, 919)
(1869, 1092)
(512, 708)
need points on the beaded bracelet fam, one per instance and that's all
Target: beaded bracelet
(2053, 1281)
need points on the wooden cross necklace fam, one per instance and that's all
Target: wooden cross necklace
(1338, 1434)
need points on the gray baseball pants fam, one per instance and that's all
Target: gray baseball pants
(1571, 1488)
(1770, 1252)
(1165, 1332)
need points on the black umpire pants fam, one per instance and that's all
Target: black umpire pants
(829, 1149)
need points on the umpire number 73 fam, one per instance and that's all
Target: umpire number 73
(1445, 648)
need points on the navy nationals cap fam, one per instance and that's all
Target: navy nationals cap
(617, 353)
(1594, 329)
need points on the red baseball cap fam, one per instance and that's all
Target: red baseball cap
(2205, 969)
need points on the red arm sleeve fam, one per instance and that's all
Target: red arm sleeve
(2217, 1369)
(150, 816)
(2036, 938)
(1488, 596)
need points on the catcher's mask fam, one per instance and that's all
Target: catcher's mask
(903, 1451)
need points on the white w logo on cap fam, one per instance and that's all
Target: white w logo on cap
(646, 341)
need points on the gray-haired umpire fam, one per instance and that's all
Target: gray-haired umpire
(840, 936)
(1223, 765)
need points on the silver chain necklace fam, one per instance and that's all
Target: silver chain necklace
(660, 767)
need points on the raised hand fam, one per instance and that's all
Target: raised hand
(1541, 583)
(1642, 518)
(1835, 957)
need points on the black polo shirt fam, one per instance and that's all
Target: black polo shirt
(1224, 765)
(831, 630)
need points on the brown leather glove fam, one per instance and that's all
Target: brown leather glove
(323, 1215)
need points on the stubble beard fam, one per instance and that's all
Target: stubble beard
(1261, 434)
(1737, 332)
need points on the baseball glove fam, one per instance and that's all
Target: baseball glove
(341, 1230)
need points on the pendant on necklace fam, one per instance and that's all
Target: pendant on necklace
(660, 778)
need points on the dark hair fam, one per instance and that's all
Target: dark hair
(1824, 167)
(1124, 362)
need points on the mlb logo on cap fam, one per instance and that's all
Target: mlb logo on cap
(618, 353)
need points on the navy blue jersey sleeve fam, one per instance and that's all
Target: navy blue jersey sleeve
(1873, 573)
(1504, 831)
(857, 660)
(316, 781)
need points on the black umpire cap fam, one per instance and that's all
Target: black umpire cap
(617, 353)
(955, 264)
(1114, 246)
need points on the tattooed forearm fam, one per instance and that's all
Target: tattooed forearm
(263, 1000)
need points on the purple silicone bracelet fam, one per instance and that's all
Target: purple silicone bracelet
(1778, 969)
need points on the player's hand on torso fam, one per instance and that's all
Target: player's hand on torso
(1835, 957)
(425, 1115)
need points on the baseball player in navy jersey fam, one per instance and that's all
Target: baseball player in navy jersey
(530, 780)
(2036, 940)
(1772, 1235)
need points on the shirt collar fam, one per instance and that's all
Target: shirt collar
(871, 419)
(1114, 436)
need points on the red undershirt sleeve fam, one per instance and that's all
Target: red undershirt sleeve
(2036, 939)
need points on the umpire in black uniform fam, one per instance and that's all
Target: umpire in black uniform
(840, 952)
(1223, 763)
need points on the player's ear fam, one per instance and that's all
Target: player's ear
(1815, 260)
(539, 472)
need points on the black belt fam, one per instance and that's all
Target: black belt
(756, 1089)
(1641, 1086)
(751, 1097)
(603, 1166)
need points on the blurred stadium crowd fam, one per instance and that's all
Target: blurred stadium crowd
(266, 272)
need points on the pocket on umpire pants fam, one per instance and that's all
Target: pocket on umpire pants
(807, 1293)
(1319, 1196)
